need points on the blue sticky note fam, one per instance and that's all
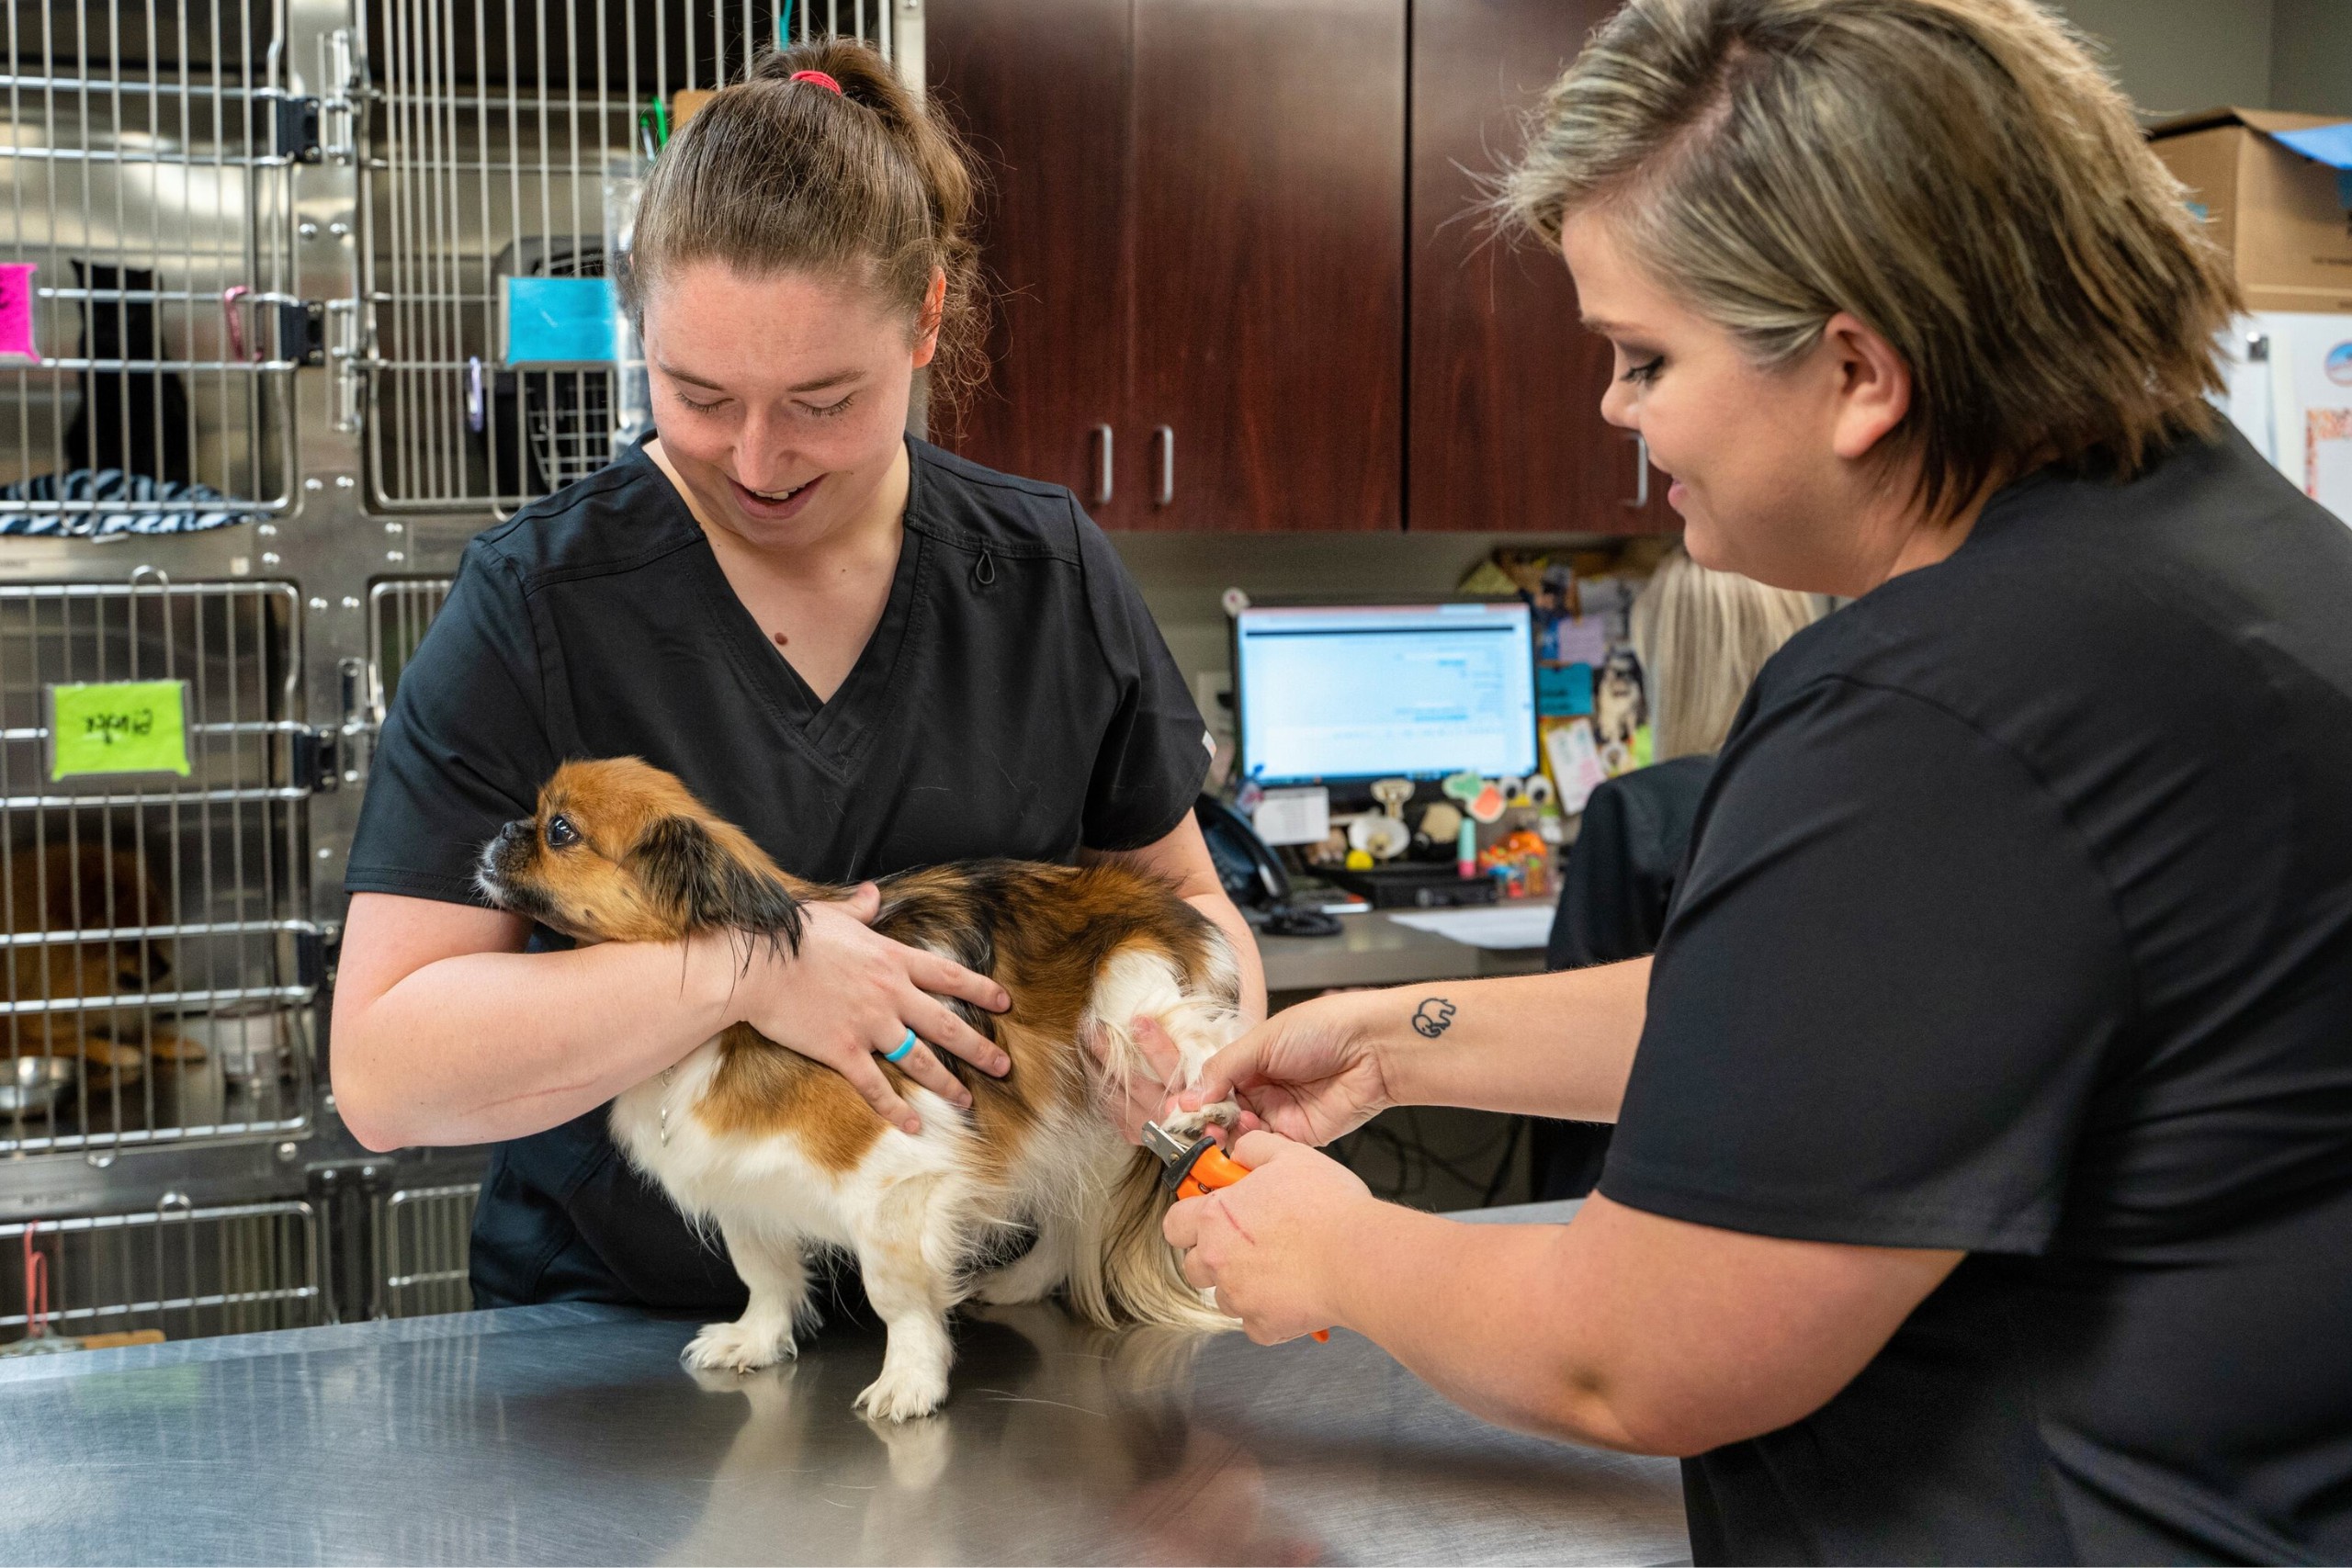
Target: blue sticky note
(1563, 691)
(559, 321)
(2329, 144)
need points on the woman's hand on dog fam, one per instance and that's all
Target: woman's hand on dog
(1310, 1073)
(851, 994)
(1260, 1244)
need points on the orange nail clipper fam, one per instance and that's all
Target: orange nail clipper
(1195, 1170)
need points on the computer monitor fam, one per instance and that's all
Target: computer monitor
(1340, 694)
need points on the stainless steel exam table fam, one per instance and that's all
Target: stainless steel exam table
(570, 1434)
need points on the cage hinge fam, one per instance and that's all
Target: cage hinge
(311, 958)
(302, 331)
(318, 761)
(292, 127)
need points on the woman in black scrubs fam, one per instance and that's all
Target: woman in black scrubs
(869, 654)
(1982, 1184)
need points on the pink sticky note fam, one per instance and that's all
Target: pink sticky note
(16, 309)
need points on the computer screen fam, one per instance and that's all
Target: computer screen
(1356, 692)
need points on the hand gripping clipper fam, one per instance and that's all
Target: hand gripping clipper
(1196, 1170)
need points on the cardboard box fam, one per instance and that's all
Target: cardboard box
(2284, 218)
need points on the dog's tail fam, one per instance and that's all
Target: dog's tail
(1126, 1273)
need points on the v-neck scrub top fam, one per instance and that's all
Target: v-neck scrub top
(1015, 699)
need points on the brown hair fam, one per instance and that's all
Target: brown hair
(1960, 175)
(774, 174)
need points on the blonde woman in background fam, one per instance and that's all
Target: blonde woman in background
(1702, 636)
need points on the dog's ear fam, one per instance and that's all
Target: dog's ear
(682, 864)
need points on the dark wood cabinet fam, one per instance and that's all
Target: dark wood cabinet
(1197, 227)
(1503, 426)
(1041, 88)
(1245, 283)
(1269, 263)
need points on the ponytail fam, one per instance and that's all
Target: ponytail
(848, 175)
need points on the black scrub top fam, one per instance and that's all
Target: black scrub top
(2018, 920)
(1015, 699)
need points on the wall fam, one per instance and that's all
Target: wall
(2311, 56)
(2174, 56)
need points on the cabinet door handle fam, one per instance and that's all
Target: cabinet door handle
(1165, 436)
(1103, 474)
(1641, 496)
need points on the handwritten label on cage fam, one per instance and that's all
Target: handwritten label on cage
(559, 321)
(16, 310)
(118, 727)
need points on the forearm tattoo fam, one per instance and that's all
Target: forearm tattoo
(1432, 1017)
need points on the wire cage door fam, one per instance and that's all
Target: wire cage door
(149, 326)
(175, 1271)
(422, 1242)
(159, 966)
(507, 140)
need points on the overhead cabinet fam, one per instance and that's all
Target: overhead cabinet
(1244, 281)
(1504, 426)
(1198, 227)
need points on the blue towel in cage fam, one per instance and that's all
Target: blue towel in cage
(177, 507)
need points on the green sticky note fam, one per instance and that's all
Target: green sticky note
(118, 727)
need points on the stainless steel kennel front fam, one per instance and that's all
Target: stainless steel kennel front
(256, 393)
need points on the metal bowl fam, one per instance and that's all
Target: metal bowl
(31, 1086)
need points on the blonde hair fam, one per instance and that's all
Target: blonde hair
(1702, 636)
(774, 174)
(1959, 174)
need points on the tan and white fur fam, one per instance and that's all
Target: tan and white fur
(781, 1156)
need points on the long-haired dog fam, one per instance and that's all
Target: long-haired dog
(781, 1155)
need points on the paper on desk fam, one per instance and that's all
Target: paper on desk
(1502, 927)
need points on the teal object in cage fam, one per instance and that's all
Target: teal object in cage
(553, 323)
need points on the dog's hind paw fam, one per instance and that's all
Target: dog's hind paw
(1192, 1123)
(902, 1393)
(740, 1347)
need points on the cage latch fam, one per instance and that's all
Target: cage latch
(302, 331)
(291, 126)
(318, 761)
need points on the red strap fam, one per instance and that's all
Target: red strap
(820, 79)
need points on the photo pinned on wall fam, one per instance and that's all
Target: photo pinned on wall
(1591, 696)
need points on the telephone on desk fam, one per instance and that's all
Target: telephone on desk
(1253, 876)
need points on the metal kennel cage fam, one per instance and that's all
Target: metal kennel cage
(179, 1270)
(150, 327)
(254, 397)
(421, 1248)
(159, 964)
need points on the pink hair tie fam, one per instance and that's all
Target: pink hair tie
(821, 80)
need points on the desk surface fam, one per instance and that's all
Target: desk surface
(1374, 949)
(570, 1434)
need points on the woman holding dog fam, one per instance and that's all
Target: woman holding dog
(1982, 1182)
(869, 655)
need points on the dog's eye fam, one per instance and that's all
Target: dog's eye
(561, 834)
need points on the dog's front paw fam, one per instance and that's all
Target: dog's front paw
(903, 1392)
(740, 1347)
